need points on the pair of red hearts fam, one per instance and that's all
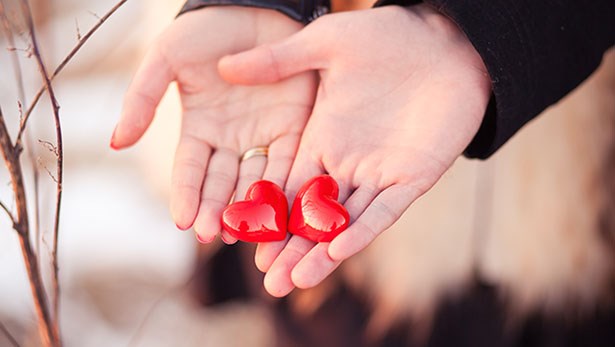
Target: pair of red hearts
(263, 217)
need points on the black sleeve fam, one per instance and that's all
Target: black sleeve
(536, 51)
(303, 11)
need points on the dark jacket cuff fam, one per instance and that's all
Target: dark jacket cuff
(303, 11)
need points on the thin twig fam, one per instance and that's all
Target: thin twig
(41, 164)
(27, 51)
(8, 212)
(59, 168)
(49, 146)
(9, 336)
(37, 210)
(8, 33)
(60, 67)
(77, 28)
(94, 14)
(138, 333)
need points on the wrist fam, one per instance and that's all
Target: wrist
(450, 32)
(460, 50)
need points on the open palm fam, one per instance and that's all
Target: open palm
(401, 95)
(220, 121)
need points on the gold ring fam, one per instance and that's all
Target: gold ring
(261, 151)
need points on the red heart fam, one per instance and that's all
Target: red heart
(261, 218)
(316, 214)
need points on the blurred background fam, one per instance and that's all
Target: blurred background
(522, 242)
(122, 258)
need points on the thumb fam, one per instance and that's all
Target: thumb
(273, 62)
(142, 97)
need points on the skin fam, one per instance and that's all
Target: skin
(220, 121)
(402, 93)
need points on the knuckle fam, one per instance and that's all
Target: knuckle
(220, 177)
(249, 177)
(189, 164)
(385, 211)
(370, 231)
(184, 185)
(274, 60)
(145, 98)
(212, 204)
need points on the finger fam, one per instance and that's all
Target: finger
(141, 99)
(304, 167)
(279, 162)
(266, 252)
(250, 171)
(314, 267)
(302, 170)
(317, 264)
(278, 282)
(218, 187)
(273, 62)
(382, 212)
(280, 159)
(345, 190)
(360, 199)
(191, 158)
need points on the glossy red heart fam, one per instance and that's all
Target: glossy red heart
(316, 214)
(261, 218)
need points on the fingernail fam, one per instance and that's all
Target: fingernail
(202, 240)
(112, 143)
(223, 238)
(180, 227)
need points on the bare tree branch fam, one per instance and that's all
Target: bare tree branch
(59, 168)
(8, 33)
(67, 59)
(9, 336)
(12, 163)
(47, 332)
(48, 322)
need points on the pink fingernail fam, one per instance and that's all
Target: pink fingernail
(202, 240)
(112, 142)
(223, 238)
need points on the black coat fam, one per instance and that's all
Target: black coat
(536, 51)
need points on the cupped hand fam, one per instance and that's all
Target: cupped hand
(220, 121)
(402, 93)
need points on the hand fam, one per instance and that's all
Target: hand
(402, 93)
(220, 121)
